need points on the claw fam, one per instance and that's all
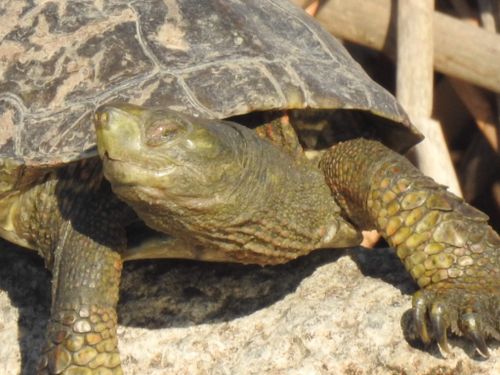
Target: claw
(440, 324)
(467, 313)
(419, 314)
(471, 327)
(481, 346)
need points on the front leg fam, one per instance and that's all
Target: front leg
(76, 224)
(81, 335)
(446, 245)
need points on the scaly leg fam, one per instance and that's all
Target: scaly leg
(75, 222)
(81, 335)
(446, 245)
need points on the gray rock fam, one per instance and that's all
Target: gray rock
(333, 312)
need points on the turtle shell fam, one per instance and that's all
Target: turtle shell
(59, 60)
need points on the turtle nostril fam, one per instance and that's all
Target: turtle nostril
(101, 118)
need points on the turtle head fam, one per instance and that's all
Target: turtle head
(158, 159)
(216, 182)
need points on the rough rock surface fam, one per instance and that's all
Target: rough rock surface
(333, 312)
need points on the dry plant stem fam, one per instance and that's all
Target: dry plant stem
(490, 21)
(486, 15)
(415, 74)
(478, 167)
(312, 8)
(415, 83)
(497, 22)
(460, 50)
(474, 99)
(480, 108)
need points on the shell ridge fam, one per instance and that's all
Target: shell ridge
(269, 75)
(300, 83)
(224, 61)
(194, 100)
(69, 129)
(147, 51)
(299, 19)
(18, 103)
(115, 91)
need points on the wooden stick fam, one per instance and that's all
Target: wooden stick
(415, 73)
(460, 50)
(490, 21)
(474, 98)
(414, 88)
(478, 167)
(312, 8)
(486, 15)
(479, 106)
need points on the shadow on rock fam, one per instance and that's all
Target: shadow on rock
(27, 283)
(182, 293)
(154, 294)
(178, 293)
(383, 264)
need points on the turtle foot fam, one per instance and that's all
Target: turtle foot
(81, 340)
(446, 245)
(473, 314)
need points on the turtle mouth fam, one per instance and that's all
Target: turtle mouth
(158, 172)
(107, 157)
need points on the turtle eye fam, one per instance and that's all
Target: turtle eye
(161, 132)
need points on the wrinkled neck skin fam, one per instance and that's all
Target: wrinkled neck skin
(249, 198)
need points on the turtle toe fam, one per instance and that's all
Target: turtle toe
(469, 313)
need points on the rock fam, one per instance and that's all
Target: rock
(332, 312)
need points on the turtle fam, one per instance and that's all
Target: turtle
(181, 67)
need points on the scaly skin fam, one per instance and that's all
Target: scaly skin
(74, 222)
(445, 244)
